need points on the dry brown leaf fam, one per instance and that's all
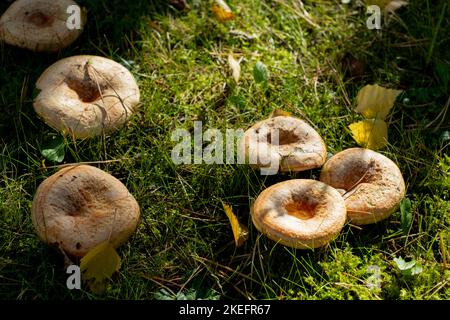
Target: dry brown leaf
(235, 68)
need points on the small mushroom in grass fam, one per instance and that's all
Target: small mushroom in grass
(284, 140)
(85, 96)
(372, 185)
(40, 25)
(79, 207)
(299, 213)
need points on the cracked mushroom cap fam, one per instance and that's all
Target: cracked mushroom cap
(39, 25)
(80, 207)
(372, 184)
(299, 146)
(86, 96)
(300, 213)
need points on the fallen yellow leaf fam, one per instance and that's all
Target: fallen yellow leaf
(240, 231)
(222, 11)
(99, 264)
(280, 112)
(375, 101)
(370, 133)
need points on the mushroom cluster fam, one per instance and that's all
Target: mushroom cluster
(358, 185)
(80, 206)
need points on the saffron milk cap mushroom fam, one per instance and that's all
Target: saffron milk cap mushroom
(41, 25)
(86, 96)
(81, 206)
(287, 141)
(372, 184)
(299, 213)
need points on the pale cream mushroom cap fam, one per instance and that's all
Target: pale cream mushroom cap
(86, 96)
(39, 25)
(299, 146)
(80, 207)
(299, 213)
(373, 184)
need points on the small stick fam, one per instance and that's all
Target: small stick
(85, 162)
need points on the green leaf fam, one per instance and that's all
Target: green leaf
(410, 268)
(98, 265)
(163, 294)
(190, 294)
(417, 269)
(406, 215)
(403, 265)
(260, 73)
(54, 149)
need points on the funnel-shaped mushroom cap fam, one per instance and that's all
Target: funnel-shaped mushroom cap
(372, 184)
(80, 207)
(85, 96)
(40, 25)
(287, 141)
(299, 213)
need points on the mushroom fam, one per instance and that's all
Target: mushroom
(85, 96)
(286, 141)
(40, 25)
(372, 185)
(80, 207)
(299, 213)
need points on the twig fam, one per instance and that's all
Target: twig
(85, 162)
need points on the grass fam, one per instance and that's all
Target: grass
(184, 244)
